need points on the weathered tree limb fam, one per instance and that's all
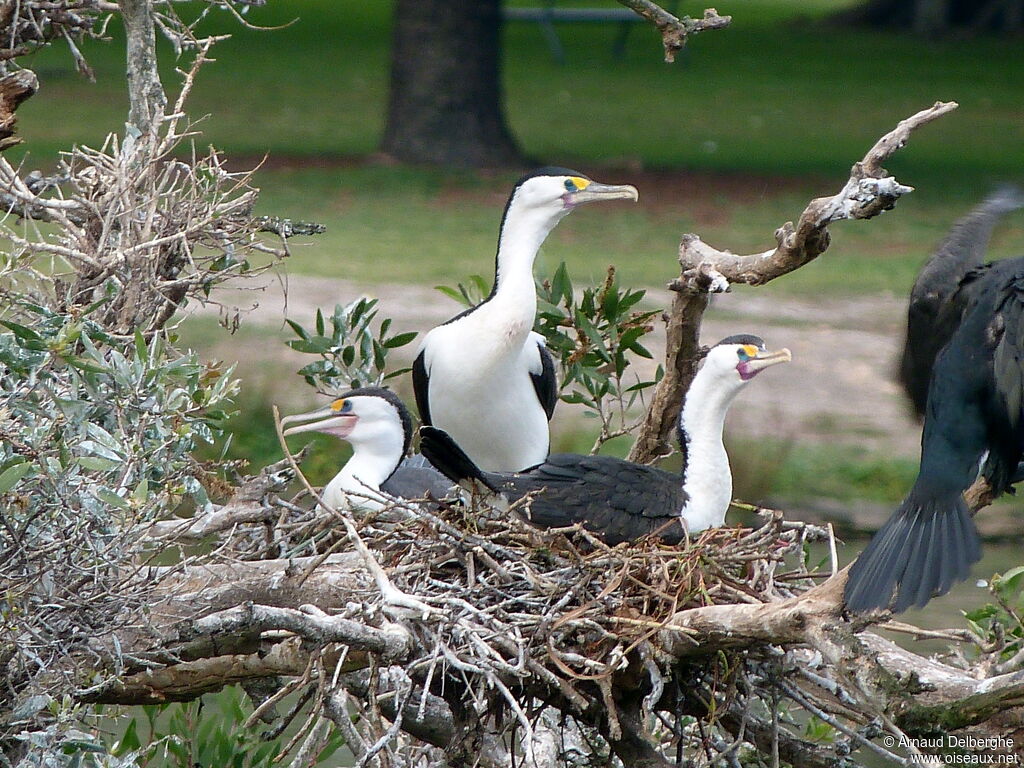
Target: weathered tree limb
(146, 96)
(426, 717)
(288, 228)
(14, 89)
(247, 505)
(916, 691)
(705, 270)
(676, 31)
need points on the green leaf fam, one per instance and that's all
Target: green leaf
(400, 340)
(84, 364)
(299, 330)
(107, 496)
(141, 492)
(10, 476)
(130, 741)
(98, 463)
(561, 285)
(610, 303)
(452, 293)
(21, 331)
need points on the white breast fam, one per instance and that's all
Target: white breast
(481, 393)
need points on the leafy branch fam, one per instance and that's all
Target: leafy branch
(353, 354)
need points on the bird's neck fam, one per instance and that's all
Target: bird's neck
(522, 233)
(707, 479)
(358, 483)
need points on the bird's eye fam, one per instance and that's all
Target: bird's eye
(570, 185)
(741, 353)
(341, 406)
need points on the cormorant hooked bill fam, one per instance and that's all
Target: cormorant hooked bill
(929, 328)
(377, 425)
(484, 376)
(972, 425)
(620, 500)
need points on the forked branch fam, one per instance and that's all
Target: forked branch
(675, 31)
(706, 270)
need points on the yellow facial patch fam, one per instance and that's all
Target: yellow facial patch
(579, 182)
(337, 405)
(750, 349)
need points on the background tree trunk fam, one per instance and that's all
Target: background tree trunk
(446, 101)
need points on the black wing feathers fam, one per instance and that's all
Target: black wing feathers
(618, 500)
(445, 454)
(930, 324)
(919, 553)
(421, 386)
(544, 383)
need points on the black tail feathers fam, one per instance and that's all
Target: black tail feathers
(920, 552)
(449, 459)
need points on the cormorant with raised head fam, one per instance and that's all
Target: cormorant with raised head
(928, 327)
(484, 376)
(972, 425)
(620, 500)
(377, 425)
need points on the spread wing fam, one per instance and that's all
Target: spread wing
(936, 300)
(617, 499)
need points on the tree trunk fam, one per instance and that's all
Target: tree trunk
(445, 106)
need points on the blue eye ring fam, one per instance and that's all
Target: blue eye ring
(741, 353)
(570, 185)
(347, 407)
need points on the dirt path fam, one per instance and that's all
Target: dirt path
(838, 388)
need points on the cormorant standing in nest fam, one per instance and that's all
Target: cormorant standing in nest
(484, 376)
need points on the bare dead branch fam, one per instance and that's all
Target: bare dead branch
(705, 270)
(676, 31)
(15, 88)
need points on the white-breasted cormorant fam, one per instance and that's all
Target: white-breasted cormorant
(377, 425)
(484, 376)
(620, 500)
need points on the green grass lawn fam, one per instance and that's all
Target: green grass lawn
(748, 124)
(729, 142)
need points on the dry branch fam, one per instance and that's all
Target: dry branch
(706, 270)
(676, 31)
(548, 617)
(14, 89)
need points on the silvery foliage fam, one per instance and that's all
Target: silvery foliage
(96, 436)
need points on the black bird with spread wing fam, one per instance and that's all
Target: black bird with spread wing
(972, 425)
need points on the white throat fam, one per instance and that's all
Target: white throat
(357, 486)
(523, 232)
(707, 478)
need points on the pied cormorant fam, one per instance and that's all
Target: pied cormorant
(377, 425)
(928, 327)
(620, 500)
(485, 376)
(972, 425)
